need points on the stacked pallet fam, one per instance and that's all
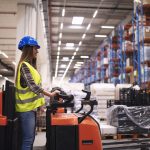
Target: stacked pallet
(103, 92)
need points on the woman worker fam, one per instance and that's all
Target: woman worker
(29, 93)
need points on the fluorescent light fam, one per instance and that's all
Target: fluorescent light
(59, 43)
(4, 54)
(63, 12)
(65, 59)
(70, 48)
(5, 78)
(107, 27)
(57, 57)
(58, 48)
(58, 53)
(76, 27)
(77, 49)
(77, 20)
(76, 67)
(60, 35)
(63, 66)
(14, 63)
(88, 27)
(61, 26)
(72, 57)
(0, 75)
(95, 13)
(84, 56)
(80, 43)
(79, 62)
(100, 35)
(69, 44)
(74, 53)
(83, 36)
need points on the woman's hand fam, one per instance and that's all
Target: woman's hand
(56, 92)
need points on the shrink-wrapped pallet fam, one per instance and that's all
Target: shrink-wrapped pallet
(99, 89)
(102, 92)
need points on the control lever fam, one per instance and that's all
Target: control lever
(88, 95)
(91, 104)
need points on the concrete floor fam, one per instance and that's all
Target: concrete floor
(40, 140)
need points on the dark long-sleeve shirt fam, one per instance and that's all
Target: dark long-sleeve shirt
(27, 80)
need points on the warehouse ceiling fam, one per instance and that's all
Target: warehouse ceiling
(110, 13)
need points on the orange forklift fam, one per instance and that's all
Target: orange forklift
(72, 131)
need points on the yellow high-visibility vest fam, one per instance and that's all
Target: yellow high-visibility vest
(26, 100)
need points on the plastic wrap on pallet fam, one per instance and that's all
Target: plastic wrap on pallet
(102, 89)
(129, 119)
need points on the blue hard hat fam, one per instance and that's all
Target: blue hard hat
(27, 40)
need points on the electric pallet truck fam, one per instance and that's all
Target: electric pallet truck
(72, 131)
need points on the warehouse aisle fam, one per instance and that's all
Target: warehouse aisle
(40, 140)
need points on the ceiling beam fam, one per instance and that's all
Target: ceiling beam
(92, 7)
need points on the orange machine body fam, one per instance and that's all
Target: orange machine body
(3, 119)
(88, 136)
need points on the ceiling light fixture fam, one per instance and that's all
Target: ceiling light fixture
(77, 20)
(61, 26)
(74, 53)
(60, 35)
(63, 12)
(59, 43)
(88, 27)
(58, 48)
(63, 66)
(69, 44)
(107, 27)
(83, 36)
(58, 53)
(69, 48)
(84, 56)
(95, 13)
(101, 36)
(77, 49)
(80, 43)
(76, 27)
(14, 63)
(65, 59)
(79, 62)
(0, 75)
(72, 57)
(5, 78)
(6, 56)
(76, 67)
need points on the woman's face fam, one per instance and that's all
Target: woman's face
(35, 51)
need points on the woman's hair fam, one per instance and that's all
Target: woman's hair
(27, 55)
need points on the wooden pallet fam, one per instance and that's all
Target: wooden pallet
(132, 136)
(124, 136)
(109, 137)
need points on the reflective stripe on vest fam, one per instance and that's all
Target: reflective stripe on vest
(27, 100)
(18, 101)
(22, 91)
